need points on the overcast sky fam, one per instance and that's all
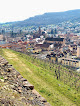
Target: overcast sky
(14, 10)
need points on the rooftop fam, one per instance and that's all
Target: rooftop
(54, 39)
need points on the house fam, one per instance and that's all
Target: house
(58, 42)
(70, 62)
(53, 56)
(52, 40)
(64, 48)
(5, 46)
(45, 46)
(36, 50)
(73, 47)
(1, 37)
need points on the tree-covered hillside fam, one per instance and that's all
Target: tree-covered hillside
(53, 18)
(49, 18)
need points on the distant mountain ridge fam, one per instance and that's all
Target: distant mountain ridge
(50, 18)
(54, 17)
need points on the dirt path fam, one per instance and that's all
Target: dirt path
(13, 56)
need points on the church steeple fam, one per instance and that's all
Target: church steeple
(39, 31)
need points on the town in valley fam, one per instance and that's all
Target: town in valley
(55, 43)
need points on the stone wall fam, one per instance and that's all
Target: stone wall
(12, 81)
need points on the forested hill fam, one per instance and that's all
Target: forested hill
(51, 18)
(54, 17)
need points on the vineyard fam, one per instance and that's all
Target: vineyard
(58, 84)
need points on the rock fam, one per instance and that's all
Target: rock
(16, 85)
(6, 78)
(10, 69)
(28, 86)
(14, 76)
(43, 99)
(13, 97)
(9, 76)
(19, 76)
(2, 80)
(5, 62)
(31, 98)
(1, 64)
(12, 86)
(19, 88)
(2, 101)
(25, 82)
(2, 73)
(23, 100)
(9, 65)
(23, 79)
(36, 93)
(20, 91)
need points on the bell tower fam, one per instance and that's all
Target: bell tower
(39, 31)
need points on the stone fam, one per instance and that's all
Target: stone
(36, 93)
(28, 86)
(6, 78)
(2, 73)
(9, 69)
(9, 75)
(17, 74)
(23, 79)
(12, 86)
(14, 76)
(43, 99)
(31, 98)
(20, 76)
(5, 62)
(2, 101)
(9, 65)
(23, 100)
(2, 80)
(25, 82)
(1, 64)
(13, 97)
(19, 88)
(16, 85)
(20, 91)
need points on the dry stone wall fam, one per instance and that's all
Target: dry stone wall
(16, 90)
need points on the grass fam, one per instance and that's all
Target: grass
(43, 78)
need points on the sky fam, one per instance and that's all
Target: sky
(17, 10)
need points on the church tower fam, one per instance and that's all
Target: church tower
(39, 31)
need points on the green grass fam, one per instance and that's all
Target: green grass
(42, 76)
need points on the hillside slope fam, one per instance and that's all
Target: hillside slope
(43, 78)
